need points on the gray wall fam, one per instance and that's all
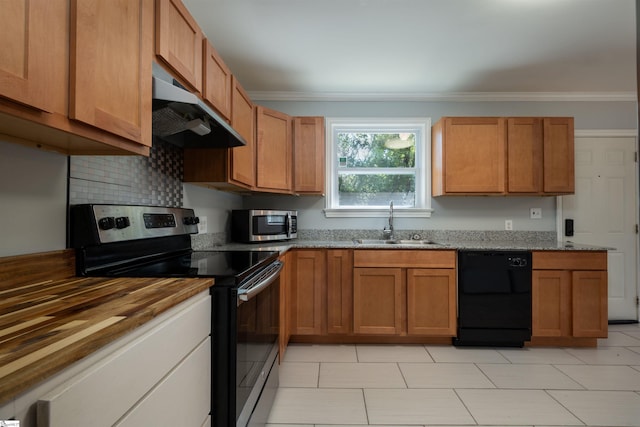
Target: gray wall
(33, 200)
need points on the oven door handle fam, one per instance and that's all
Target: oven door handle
(254, 289)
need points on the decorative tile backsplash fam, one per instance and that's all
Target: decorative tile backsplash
(128, 180)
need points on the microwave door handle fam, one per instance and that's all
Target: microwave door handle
(288, 224)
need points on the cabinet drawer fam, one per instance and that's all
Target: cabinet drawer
(404, 258)
(124, 377)
(569, 260)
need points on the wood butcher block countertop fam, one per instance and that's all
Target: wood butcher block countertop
(50, 320)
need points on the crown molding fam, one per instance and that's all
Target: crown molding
(444, 97)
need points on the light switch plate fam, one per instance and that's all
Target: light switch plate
(536, 213)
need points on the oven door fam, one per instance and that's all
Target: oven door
(245, 328)
(257, 349)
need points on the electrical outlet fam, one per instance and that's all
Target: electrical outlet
(536, 213)
(508, 224)
(202, 225)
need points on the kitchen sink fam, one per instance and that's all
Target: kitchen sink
(394, 242)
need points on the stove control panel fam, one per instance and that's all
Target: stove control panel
(96, 224)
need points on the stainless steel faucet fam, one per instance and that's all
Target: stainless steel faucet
(388, 232)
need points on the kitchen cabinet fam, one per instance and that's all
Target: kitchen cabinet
(468, 155)
(273, 151)
(179, 42)
(339, 291)
(138, 374)
(308, 294)
(559, 167)
(33, 69)
(379, 296)
(74, 84)
(231, 169)
(569, 294)
(404, 292)
(243, 159)
(503, 156)
(540, 156)
(216, 82)
(110, 66)
(308, 155)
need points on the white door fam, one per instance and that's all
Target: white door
(604, 210)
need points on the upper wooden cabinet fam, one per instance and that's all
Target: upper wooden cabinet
(73, 83)
(179, 42)
(524, 155)
(308, 155)
(273, 151)
(216, 84)
(32, 65)
(243, 159)
(559, 164)
(468, 155)
(502, 156)
(110, 67)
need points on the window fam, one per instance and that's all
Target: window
(371, 162)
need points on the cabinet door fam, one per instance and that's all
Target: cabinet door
(179, 41)
(378, 301)
(308, 155)
(589, 299)
(243, 159)
(559, 168)
(307, 292)
(273, 150)
(339, 291)
(110, 66)
(551, 303)
(34, 51)
(474, 155)
(431, 302)
(216, 82)
(524, 155)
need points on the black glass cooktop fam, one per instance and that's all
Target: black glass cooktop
(216, 264)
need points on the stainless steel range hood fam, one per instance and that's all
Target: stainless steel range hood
(181, 118)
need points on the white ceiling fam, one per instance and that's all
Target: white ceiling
(424, 49)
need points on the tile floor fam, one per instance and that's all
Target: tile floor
(408, 385)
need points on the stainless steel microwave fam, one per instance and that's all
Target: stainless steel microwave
(255, 225)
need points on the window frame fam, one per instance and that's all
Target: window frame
(419, 125)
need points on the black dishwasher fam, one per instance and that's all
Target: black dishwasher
(494, 298)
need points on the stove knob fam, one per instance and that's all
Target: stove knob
(122, 222)
(106, 223)
(190, 220)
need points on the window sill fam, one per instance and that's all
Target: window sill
(376, 213)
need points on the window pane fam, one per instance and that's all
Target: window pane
(376, 150)
(376, 190)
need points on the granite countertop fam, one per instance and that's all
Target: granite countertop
(543, 245)
(443, 239)
(45, 326)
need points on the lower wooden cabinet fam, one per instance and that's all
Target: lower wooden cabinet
(339, 291)
(307, 293)
(431, 301)
(569, 294)
(409, 293)
(379, 301)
